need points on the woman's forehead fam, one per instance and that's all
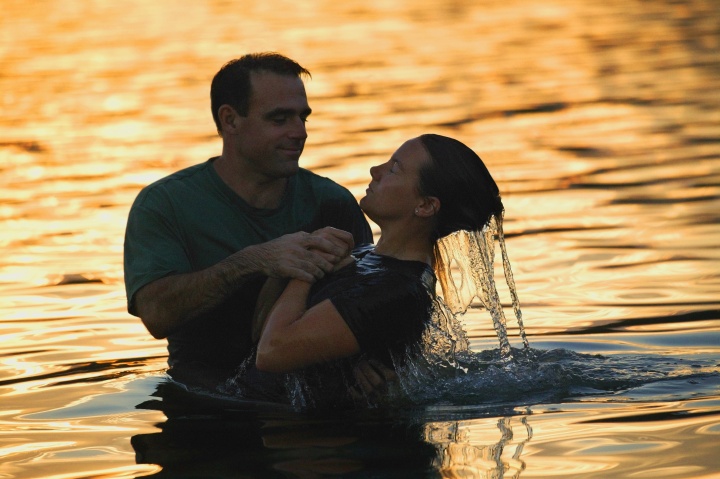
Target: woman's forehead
(412, 154)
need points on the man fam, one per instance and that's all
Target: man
(200, 243)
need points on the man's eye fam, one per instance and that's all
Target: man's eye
(278, 119)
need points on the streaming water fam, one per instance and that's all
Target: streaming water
(600, 123)
(468, 257)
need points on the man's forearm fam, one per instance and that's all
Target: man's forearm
(167, 303)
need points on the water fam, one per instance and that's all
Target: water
(599, 120)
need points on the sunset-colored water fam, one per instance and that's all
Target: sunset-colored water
(600, 122)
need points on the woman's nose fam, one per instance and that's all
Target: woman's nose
(374, 172)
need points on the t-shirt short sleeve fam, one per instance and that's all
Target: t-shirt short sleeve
(153, 248)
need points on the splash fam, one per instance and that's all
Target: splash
(484, 382)
(466, 271)
(443, 361)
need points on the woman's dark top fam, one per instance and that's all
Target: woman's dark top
(385, 301)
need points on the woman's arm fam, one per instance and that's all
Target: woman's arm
(269, 294)
(295, 337)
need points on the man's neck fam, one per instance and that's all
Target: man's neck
(258, 191)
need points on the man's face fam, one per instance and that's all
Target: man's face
(272, 135)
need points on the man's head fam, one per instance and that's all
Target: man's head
(260, 106)
(232, 84)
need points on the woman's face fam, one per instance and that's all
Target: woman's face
(393, 192)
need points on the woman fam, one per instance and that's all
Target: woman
(378, 302)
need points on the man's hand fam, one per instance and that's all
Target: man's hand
(304, 256)
(372, 379)
(339, 243)
(338, 238)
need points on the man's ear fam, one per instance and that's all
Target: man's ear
(430, 206)
(229, 118)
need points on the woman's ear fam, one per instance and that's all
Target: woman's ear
(430, 206)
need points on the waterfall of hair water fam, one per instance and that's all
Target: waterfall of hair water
(446, 369)
(466, 271)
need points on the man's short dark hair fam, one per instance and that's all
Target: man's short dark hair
(231, 85)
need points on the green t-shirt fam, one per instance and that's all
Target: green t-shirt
(191, 220)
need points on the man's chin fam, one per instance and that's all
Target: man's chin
(290, 168)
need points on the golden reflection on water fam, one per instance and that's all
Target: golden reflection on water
(482, 448)
(599, 120)
(642, 449)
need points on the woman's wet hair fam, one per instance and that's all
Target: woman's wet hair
(460, 180)
(231, 85)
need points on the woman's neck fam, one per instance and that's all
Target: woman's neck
(410, 247)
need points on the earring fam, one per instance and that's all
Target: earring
(417, 210)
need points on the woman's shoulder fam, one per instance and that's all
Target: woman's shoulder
(363, 249)
(406, 271)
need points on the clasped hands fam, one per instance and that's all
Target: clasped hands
(308, 256)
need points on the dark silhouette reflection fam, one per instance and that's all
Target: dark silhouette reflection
(207, 437)
(222, 438)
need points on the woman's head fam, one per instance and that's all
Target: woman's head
(393, 194)
(466, 191)
(436, 180)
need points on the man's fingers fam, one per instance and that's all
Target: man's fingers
(339, 234)
(355, 393)
(289, 256)
(383, 371)
(333, 241)
(309, 269)
(319, 261)
(370, 377)
(364, 384)
(306, 256)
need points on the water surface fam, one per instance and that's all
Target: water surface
(599, 120)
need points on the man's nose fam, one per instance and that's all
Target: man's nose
(298, 129)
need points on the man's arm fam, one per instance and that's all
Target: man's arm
(167, 303)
